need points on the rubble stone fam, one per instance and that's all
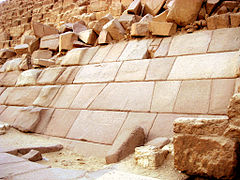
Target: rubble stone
(104, 37)
(159, 142)
(28, 77)
(218, 21)
(42, 54)
(66, 41)
(50, 42)
(33, 155)
(139, 29)
(88, 36)
(21, 49)
(101, 22)
(153, 7)
(162, 28)
(134, 7)
(41, 30)
(115, 29)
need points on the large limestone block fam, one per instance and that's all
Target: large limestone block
(136, 49)
(88, 36)
(153, 7)
(116, 51)
(101, 54)
(101, 22)
(115, 29)
(66, 41)
(210, 156)
(218, 21)
(86, 95)
(99, 5)
(61, 122)
(184, 12)
(68, 75)
(125, 144)
(163, 48)
(42, 54)
(139, 29)
(5, 94)
(97, 126)
(134, 7)
(10, 114)
(97, 73)
(50, 75)
(79, 56)
(104, 37)
(28, 77)
(127, 20)
(193, 97)
(165, 95)
(162, 28)
(134, 96)
(133, 70)
(190, 43)
(12, 65)
(225, 40)
(41, 30)
(218, 65)
(46, 96)
(50, 42)
(10, 78)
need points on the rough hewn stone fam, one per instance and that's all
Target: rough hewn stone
(162, 28)
(28, 77)
(41, 30)
(134, 7)
(115, 29)
(50, 42)
(159, 142)
(66, 41)
(33, 155)
(101, 22)
(88, 36)
(42, 54)
(50, 75)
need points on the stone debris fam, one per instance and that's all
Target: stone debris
(33, 155)
(159, 142)
(115, 29)
(4, 127)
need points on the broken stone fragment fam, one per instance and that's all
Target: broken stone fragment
(161, 17)
(43, 62)
(41, 30)
(115, 29)
(153, 7)
(42, 54)
(101, 22)
(7, 53)
(125, 144)
(79, 26)
(218, 21)
(210, 5)
(150, 157)
(162, 28)
(104, 37)
(235, 19)
(50, 42)
(66, 27)
(126, 20)
(33, 155)
(88, 36)
(135, 7)
(159, 142)
(21, 49)
(66, 41)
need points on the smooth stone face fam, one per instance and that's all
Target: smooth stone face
(101, 54)
(28, 77)
(115, 51)
(50, 75)
(68, 75)
(163, 48)
(50, 42)
(10, 114)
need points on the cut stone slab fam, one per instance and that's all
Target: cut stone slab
(50, 75)
(140, 29)
(184, 12)
(33, 155)
(218, 21)
(66, 41)
(209, 66)
(10, 114)
(12, 65)
(88, 36)
(235, 19)
(46, 96)
(101, 54)
(68, 75)
(41, 30)
(153, 7)
(8, 158)
(86, 95)
(222, 91)
(163, 48)
(162, 28)
(136, 49)
(50, 42)
(134, 96)
(21, 49)
(10, 78)
(23, 96)
(115, 29)
(104, 37)
(134, 7)
(97, 126)
(97, 73)
(225, 40)
(160, 68)
(125, 144)
(190, 43)
(79, 56)
(43, 62)
(165, 95)
(159, 142)
(65, 96)
(207, 155)
(193, 97)
(132, 70)
(61, 122)
(28, 77)
(101, 22)
(42, 54)
(116, 51)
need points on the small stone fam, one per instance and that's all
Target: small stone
(33, 155)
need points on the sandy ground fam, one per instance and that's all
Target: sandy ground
(69, 160)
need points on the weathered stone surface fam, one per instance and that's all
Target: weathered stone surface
(21, 49)
(41, 30)
(104, 37)
(79, 56)
(28, 77)
(101, 54)
(65, 28)
(218, 65)
(116, 51)
(7, 53)
(65, 96)
(206, 157)
(210, 5)
(97, 126)
(132, 70)
(235, 19)
(150, 157)
(12, 65)
(162, 28)
(225, 40)
(4, 36)
(190, 43)
(66, 41)
(134, 96)
(101, 22)
(33, 155)
(50, 42)
(46, 96)
(10, 78)
(233, 109)
(79, 26)
(98, 5)
(193, 97)
(97, 73)
(153, 7)
(68, 75)
(86, 95)
(139, 29)
(159, 142)
(61, 122)
(161, 17)
(184, 12)
(42, 54)
(134, 7)
(116, 8)
(23, 96)
(159, 69)
(222, 91)
(165, 95)
(136, 49)
(10, 114)
(5, 94)
(218, 21)
(115, 29)
(125, 144)
(127, 20)
(50, 75)
(163, 48)
(42, 62)
(88, 36)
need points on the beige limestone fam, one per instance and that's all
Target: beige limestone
(21, 49)
(50, 42)
(132, 70)
(105, 72)
(134, 7)
(5, 94)
(153, 7)
(101, 22)
(162, 28)
(66, 41)
(104, 37)
(190, 43)
(139, 29)
(127, 20)
(10, 114)
(33, 155)
(135, 96)
(97, 126)
(12, 65)
(79, 26)
(88, 36)
(46, 96)
(165, 95)
(163, 48)
(161, 17)
(42, 54)
(50, 75)
(101, 54)
(115, 29)
(116, 51)
(68, 75)
(218, 21)
(10, 78)
(28, 77)
(235, 19)
(42, 62)
(217, 65)
(41, 30)
(7, 53)
(159, 142)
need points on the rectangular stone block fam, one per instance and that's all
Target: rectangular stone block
(134, 96)
(162, 28)
(164, 97)
(133, 70)
(101, 54)
(163, 48)
(61, 122)
(217, 65)
(2, 108)
(10, 114)
(97, 73)
(50, 75)
(68, 75)
(190, 43)
(97, 126)
(193, 97)
(115, 52)
(50, 42)
(2, 89)
(159, 68)
(10, 78)
(6, 158)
